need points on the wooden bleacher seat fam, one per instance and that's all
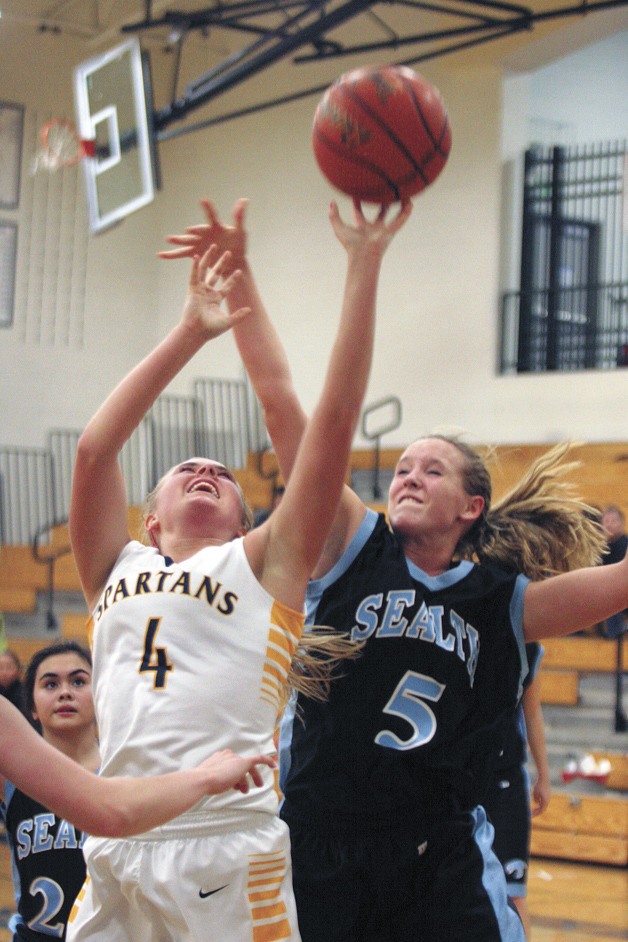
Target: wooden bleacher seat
(559, 687)
(75, 627)
(618, 776)
(584, 827)
(26, 647)
(17, 600)
(584, 654)
(20, 570)
(587, 827)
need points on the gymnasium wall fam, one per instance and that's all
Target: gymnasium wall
(87, 307)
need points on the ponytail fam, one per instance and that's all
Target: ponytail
(317, 661)
(542, 527)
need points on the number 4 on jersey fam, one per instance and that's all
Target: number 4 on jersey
(155, 659)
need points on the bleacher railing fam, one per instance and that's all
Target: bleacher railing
(573, 328)
(222, 419)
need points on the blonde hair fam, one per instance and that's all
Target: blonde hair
(541, 527)
(314, 665)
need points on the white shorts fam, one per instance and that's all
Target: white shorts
(190, 881)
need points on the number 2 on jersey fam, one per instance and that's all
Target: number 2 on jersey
(408, 702)
(155, 659)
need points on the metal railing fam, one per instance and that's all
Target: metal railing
(220, 420)
(27, 492)
(378, 419)
(48, 557)
(589, 324)
(571, 310)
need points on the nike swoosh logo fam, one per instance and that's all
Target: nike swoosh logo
(211, 892)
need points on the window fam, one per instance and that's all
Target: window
(571, 312)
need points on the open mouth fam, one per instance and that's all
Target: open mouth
(204, 487)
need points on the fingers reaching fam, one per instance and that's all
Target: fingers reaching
(210, 212)
(197, 238)
(228, 770)
(404, 212)
(255, 775)
(239, 211)
(211, 281)
(186, 243)
(367, 232)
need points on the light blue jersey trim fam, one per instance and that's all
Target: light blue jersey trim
(9, 789)
(516, 619)
(443, 580)
(516, 890)
(15, 919)
(284, 754)
(494, 881)
(316, 587)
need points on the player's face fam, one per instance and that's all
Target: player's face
(63, 694)
(200, 494)
(427, 494)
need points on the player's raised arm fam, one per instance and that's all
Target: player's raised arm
(292, 539)
(261, 348)
(98, 512)
(259, 344)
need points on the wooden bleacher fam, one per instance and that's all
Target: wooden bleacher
(576, 826)
(582, 654)
(25, 647)
(602, 478)
(560, 687)
(583, 827)
(567, 659)
(76, 627)
(17, 599)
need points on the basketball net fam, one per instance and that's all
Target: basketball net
(60, 146)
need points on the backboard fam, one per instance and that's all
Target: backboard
(113, 101)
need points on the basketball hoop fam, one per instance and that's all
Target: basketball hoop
(61, 146)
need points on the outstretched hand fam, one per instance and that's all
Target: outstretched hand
(210, 283)
(198, 239)
(366, 234)
(227, 770)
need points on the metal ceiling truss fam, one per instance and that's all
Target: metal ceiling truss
(308, 25)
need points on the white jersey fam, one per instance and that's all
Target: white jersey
(189, 658)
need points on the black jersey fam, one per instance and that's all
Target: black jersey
(514, 749)
(47, 863)
(412, 725)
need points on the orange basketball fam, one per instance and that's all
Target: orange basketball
(381, 135)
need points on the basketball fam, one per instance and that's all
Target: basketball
(381, 135)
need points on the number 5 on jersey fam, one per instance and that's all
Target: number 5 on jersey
(408, 702)
(155, 659)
